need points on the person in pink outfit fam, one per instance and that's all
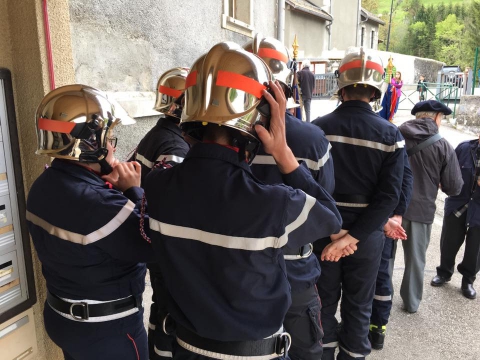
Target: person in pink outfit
(397, 83)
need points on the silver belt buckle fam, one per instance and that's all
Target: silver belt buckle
(85, 307)
(310, 251)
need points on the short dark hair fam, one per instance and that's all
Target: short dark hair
(359, 91)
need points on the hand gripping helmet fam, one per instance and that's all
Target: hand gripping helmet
(170, 88)
(224, 87)
(73, 122)
(358, 67)
(276, 56)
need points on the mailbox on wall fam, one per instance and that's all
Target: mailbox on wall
(17, 286)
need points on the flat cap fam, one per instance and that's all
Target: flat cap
(431, 106)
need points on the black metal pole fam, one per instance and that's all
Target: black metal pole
(389, 26)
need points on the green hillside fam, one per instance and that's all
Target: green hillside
(384, 5)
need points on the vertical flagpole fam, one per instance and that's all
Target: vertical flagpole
(296, 95)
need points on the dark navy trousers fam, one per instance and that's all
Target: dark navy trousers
(123, 338)
(382, 301)
(352, 279)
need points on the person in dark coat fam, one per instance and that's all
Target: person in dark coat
(163, 143)
(368, 156)
(306, 79)
(435, 166)
(221, 248)
(461, 223)
(309, 144)
(83, 214)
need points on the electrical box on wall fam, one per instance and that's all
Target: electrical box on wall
(17, 286)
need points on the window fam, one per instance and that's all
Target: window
(362, 36)
(237, 16)
(372, 39)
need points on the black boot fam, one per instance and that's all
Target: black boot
(376, 335)
(467, 289)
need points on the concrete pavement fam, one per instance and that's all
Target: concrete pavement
(447, 325)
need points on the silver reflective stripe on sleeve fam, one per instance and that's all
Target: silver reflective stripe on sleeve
(140, 158)
(366, 143)
(96, 235)
(234, 242)
(152, 326)
(167, 354)
(311, 164)
(383, 298)
(352, 354)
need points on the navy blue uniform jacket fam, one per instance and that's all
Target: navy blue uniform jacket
(220, 247)
(309, 144)
(364, 143)
(86, 234)
(466, 154)
(163, 142)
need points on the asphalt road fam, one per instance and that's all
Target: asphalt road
(447, 325)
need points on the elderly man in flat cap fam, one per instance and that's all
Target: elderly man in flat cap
(434, 165)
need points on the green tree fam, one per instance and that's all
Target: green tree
(449, 40)
(370, 5)
(418, 36)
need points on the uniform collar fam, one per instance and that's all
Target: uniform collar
(218, 152)
(354, 103)
(76, 170)
(169, 125)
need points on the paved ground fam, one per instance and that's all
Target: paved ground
(447, 325)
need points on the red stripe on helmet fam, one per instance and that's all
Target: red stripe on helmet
(357, 64)
(191, 79)
(240, 82)
(169, 91)
(273, 54)
(55, 125)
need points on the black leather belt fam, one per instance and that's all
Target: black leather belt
(79, 310)
(277, 345)
(298, 253)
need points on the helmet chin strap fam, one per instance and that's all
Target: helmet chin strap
(105, 167)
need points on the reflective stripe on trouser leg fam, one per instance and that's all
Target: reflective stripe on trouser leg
(382, 301)
(359, 273)
(329, 289)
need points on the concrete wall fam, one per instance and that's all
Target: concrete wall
(344, 27)
(468, 114)
(312, 36)
(124, 46)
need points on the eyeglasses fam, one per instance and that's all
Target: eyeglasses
(113, 141)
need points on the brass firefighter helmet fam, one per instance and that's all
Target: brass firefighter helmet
(276, 56)
(170, 88)
(224, 87)
(74, 122)
(359, 67)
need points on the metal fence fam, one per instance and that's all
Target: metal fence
(325, 86)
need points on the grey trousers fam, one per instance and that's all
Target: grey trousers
(414, 250)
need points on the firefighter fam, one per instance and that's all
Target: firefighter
(83, 216)
(368, 155)
(164, 142)
(223, 263)
(308, 143)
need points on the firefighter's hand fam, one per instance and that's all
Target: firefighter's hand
(342, 247)
(274, 139)
(394, 230)
(124, 175)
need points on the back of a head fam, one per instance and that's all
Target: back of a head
(306, 64)
(170, 88)
(224, 88)
(361, 68)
